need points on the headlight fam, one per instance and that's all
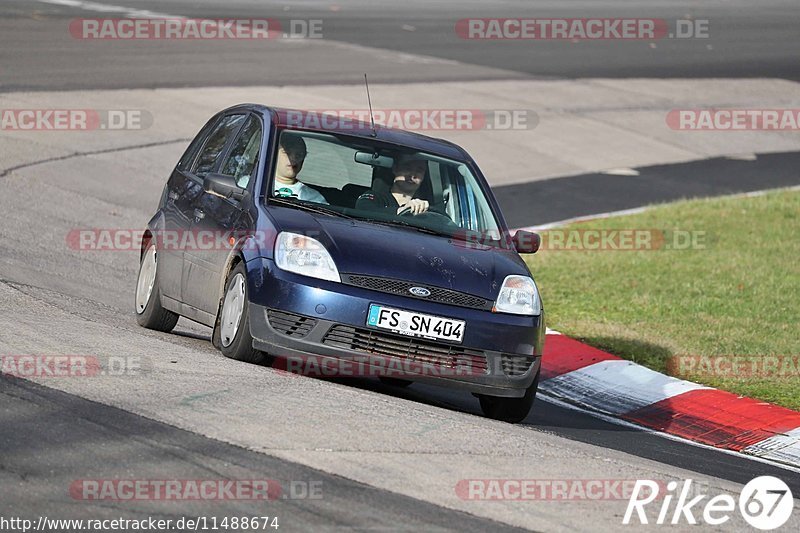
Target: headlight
(304, 255)
(518, 296)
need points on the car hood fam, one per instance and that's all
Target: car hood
(365, 248)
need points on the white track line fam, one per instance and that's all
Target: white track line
(566, 221)
(109, 8)
(784, 448)
(389, 55)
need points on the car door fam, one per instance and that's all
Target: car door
(176, 207)
(217, 219)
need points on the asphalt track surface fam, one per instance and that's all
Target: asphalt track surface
(58, 437)
(746, 39)
(587, 194)
(93, 433)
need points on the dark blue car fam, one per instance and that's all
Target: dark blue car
(338, 248)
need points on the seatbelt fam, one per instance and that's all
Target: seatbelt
(436, 184)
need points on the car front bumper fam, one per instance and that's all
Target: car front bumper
(312, 323)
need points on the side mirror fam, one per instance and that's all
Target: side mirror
(526, 242)
(223, 186)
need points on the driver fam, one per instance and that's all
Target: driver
(291, 154)
(409, 173)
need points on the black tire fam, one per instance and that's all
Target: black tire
(511, 410)
(153, 316)
(241, 347)
(395, 382)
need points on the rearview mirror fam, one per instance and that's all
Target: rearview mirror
(373, 159)
(222, 186)
(526, 242)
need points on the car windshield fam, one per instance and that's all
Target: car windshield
(382, 183)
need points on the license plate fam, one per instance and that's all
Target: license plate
(415, 324)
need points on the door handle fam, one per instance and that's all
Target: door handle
(199, 215)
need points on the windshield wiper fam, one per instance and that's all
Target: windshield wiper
(405, 224)
(311, 207)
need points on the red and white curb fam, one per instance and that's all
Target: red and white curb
(598, 381)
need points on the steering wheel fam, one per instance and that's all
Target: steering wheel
(434, 216)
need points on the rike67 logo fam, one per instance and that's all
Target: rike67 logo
(765, 503)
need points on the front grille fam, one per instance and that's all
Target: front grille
(438, 294)
(516, 365)
(407, 349)
(289, 323)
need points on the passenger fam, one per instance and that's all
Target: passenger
(291, 154)
(409, 173)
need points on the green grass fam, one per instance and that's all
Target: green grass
(737, 295)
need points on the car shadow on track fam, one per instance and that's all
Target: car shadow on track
(192, 335)
(581, 426)
(544, 414)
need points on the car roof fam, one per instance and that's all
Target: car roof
(289, 118)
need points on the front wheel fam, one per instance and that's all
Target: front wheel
(232, 334)
(510, 409)
(149, 313)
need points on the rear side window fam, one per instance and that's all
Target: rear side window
(188, 157)
(331, 165)
(215, 145)
(242, 161)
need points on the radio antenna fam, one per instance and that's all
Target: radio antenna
(369, 101)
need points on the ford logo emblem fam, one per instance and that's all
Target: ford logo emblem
(419, 291)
